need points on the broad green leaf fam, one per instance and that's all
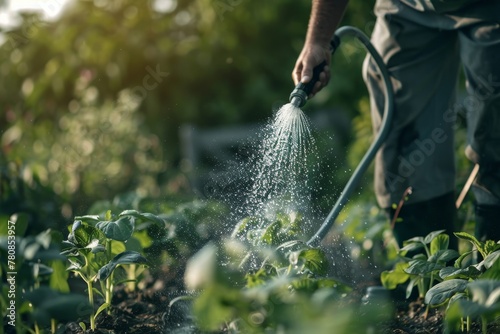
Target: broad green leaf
(481, 289)
(443, 255)
(419, 240)
(458, 262)
(146, 216)
(466, 308)
(429, 237)
(120, 229)
(315, 260)
(491, 259)
(470, 238)
(243, 226)
(493, 272)
(391, 279)
(270, 235)
(118, 247)
(82, 234)
(452, 272)
(91, 219)
(439, 293)
(421, 267)
(411, 247)
(127, 257)
(439, 243)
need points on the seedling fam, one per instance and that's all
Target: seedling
(95, 249)
(423, 268)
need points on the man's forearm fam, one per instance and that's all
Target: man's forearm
(325, 18)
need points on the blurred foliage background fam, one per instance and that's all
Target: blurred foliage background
(92, 101)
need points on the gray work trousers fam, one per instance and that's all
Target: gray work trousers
(423, 51)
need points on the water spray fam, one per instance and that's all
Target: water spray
(298, 98)
(283, 166)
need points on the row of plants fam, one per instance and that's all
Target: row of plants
(266, 279)
(465, 287)
(78, 270)
(263, 278)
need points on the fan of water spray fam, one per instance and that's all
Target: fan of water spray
(288, 158)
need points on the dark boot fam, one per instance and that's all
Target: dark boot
(487, 222)
(487, 209)
(420, 219)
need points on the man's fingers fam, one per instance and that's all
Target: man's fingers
(305, 79)
(296, 75)
(306, 74)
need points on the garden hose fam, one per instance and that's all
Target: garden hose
(299, 98)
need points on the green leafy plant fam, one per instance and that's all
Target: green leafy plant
(456, 285)
(95, 248)
(286, 291)
(431, 254)
(265, 279)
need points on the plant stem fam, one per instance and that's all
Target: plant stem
(421, 288)
(484, 324)
(109, 285)
(108, 293)
(90, 288)
(431, 281)
(468, 324)
(426, 311)
(37, 330)
(131, 275)
(53, 326)
(91, 301)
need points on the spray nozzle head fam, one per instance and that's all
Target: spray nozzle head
(298, 97)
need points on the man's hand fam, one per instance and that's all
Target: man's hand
(311, 56)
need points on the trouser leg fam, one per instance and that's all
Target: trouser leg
(423, 63)
(419, 152)
(479, 50)
(421, 218)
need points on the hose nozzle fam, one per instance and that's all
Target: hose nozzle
(299, 95)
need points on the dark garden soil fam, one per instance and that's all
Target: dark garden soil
(146, 311)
